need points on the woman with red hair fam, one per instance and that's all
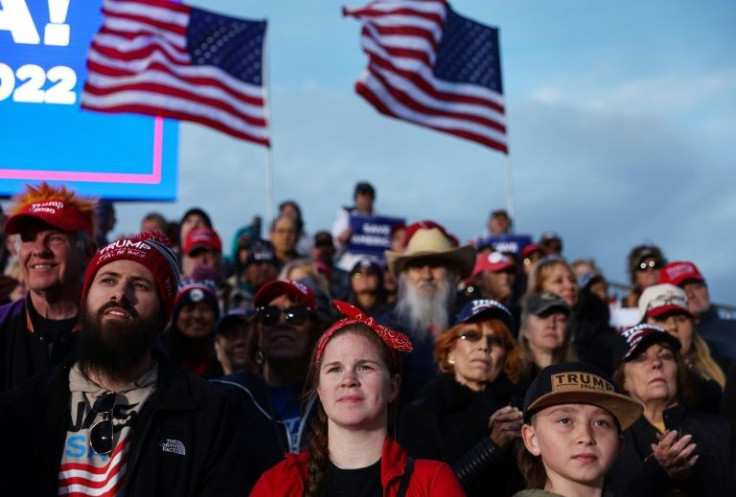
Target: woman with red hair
(468, 415)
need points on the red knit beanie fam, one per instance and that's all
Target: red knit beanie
(150, 248)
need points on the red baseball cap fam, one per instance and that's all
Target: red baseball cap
(679, 272)
(530, 249)
(205, 238)
(276, 288)
(55, 212)
(494, 262)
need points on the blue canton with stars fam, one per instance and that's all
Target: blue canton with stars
(233, 45)
(469, 53)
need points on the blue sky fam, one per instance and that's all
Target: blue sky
(621, 119)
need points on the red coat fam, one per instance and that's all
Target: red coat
(429, 479)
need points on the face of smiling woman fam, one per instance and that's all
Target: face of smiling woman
(355, 385)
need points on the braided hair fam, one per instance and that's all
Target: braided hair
(318, 441)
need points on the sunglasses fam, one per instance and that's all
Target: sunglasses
(101, 433)
(298, 315)
(476, 336)
(644, 266)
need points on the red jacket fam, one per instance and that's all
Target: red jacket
(429, 479)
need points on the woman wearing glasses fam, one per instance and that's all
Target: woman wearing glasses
(468, 416)
(645, 263)
(354, 374)
(275, 416)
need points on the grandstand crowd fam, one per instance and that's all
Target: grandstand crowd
(377, 358)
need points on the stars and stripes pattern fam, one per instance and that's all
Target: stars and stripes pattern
(430, 66)
(167, 59)
(88, 480)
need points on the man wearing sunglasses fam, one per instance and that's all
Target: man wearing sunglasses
(278, 420)
(120, 416)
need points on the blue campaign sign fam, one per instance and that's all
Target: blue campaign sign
(371, 234)
(508, 243)
(44, 135)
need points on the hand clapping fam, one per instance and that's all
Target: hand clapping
(676, 454)
(505, 425)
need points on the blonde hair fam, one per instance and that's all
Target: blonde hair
(541, 272)
(702, 360)
(307, 267)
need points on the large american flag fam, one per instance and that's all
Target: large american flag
(433, 67)
(167, 59)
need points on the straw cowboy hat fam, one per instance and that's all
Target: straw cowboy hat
(430, 241)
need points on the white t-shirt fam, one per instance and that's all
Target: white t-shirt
(83, 471)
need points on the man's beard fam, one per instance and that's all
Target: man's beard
(114, 347)
(423, 311)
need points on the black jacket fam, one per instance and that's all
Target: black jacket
(34, 420)
(636, 473)
(24, 347)
(450, 423)
(267, 437)
(595, 341)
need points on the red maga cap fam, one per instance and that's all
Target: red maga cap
(678, 272)
(276, 288)
(55, 212)
(205, 238)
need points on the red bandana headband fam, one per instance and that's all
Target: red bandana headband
(394, 340)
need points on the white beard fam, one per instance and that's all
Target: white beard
(422, 311)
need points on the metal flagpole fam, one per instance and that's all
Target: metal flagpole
(510, 190)
(269, 150)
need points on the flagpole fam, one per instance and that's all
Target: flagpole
(269, 150)
(510, 190)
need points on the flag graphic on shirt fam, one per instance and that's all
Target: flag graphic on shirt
(430, 66)
(100, 480)
(167, 59)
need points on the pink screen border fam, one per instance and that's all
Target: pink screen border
(153, 178)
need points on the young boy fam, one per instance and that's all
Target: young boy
(573, 418)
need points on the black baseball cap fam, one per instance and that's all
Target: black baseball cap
(541, 303)
(365, 187)
(580, 383)
(643, 335)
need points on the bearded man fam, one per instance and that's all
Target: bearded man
(428, 271)
(118, 415)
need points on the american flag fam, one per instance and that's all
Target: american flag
(433, 67)
(167, 59)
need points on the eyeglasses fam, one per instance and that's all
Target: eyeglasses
(644, 266)
(269, 315)
(475, 337)
(101, 433)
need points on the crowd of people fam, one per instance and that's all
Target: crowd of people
(380, 358)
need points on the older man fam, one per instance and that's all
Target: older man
(719, 333)
(428, 272)
(55, 229)
(120, 416)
